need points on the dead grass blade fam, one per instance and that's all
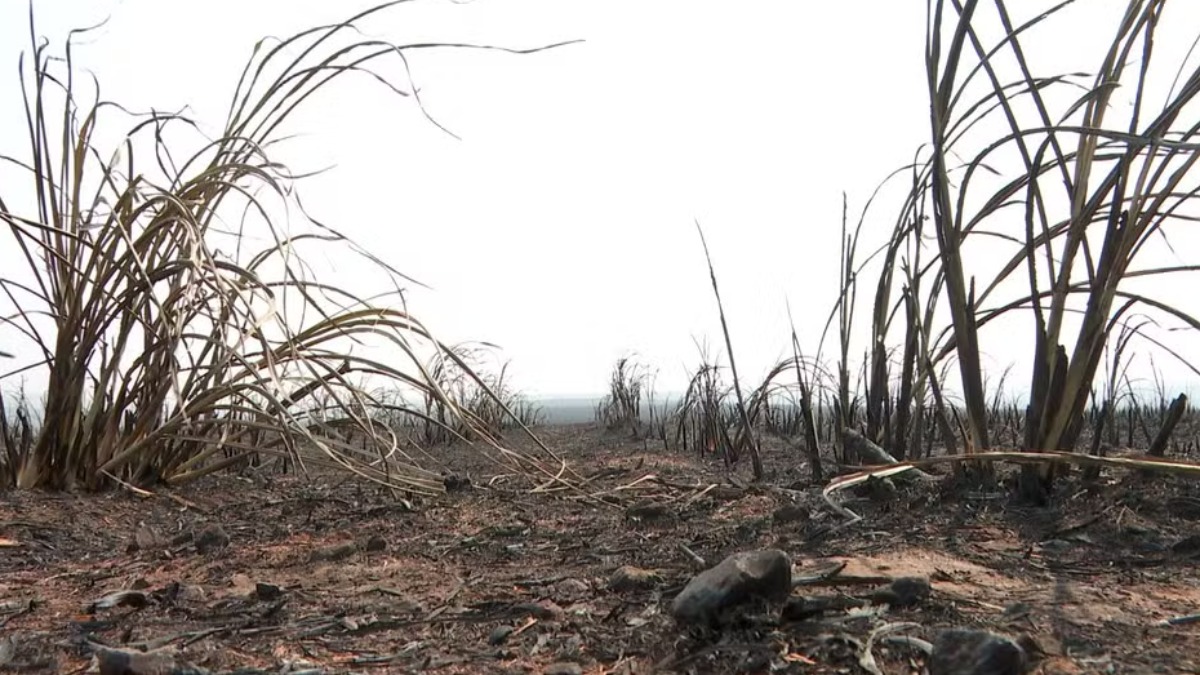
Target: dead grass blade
(170, 350)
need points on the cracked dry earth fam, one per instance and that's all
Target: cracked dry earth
(276, 574)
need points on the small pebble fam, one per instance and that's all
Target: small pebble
(267, 592)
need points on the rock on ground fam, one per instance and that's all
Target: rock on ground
(738, 579)
(976, 652)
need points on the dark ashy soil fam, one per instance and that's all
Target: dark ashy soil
(286, 575)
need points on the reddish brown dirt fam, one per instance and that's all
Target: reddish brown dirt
(1091, 578)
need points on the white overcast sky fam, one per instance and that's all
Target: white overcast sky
(560, 226)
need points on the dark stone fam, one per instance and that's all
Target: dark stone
(267, 592)
(738, 579)
(976, 652)
(376, 544)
